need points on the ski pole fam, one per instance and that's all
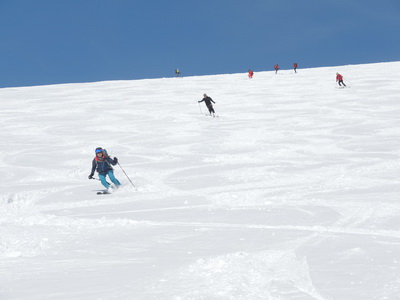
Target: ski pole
(127, 176)
(200, 109)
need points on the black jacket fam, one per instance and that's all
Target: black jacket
(207, 100)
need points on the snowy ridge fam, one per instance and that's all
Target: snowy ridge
(292, 193)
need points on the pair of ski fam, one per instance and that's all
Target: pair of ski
(106, 192)
(103, 192)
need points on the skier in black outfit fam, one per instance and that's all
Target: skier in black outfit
(208, 101)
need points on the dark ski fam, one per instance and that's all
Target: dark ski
(103, 193)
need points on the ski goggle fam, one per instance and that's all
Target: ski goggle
(99, 150)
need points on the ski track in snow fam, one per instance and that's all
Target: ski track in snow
(291, 193)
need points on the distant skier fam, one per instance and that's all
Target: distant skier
(251, 73)
(102, 164)
(276, 68)
(177, 72)
(209, 105)
(295, 67)
(339, 79)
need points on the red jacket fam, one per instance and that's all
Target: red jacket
(276, 67)
(339, 77)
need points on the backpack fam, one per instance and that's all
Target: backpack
(105, 153)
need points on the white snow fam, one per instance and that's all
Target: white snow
(291, 193)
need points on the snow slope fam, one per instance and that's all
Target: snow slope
(291, 193)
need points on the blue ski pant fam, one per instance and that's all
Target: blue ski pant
(110, 174)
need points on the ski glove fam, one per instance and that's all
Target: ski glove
(90, 176)
(115, 160)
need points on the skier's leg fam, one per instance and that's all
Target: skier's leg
(112, 178)
(104, 181)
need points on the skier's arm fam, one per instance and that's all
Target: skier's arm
(201, 100)
(112, 161)
(212, 100)
(93, 168)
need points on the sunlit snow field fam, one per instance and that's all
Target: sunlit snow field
(293, 192)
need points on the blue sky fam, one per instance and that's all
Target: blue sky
(63, 41)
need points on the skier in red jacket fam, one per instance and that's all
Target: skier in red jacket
(339, 79)
(276, 68)
(295, 67)
(251, 74)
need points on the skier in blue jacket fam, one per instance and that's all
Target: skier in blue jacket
(102, 164)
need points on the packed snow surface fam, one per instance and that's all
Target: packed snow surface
(292, 192)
